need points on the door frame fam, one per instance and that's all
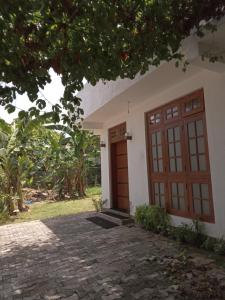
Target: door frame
(116, 134)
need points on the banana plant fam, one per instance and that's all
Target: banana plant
(13, 149)
(76, 150)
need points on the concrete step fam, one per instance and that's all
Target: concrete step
(116, 217)
(117, 212)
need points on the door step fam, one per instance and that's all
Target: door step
(116, 217)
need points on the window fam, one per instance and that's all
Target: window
(178, 196)
(155, 118)
(157, 157)
(159, 194)
(196, 143)
(192, 105)
(200, 194)
(172, 112)
(178, 158)
(174, 149)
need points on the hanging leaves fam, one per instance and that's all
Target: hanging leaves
(101, 39)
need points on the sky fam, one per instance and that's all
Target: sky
(52, 93)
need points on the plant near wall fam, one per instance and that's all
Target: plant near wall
(152, 218)
(192, 234)
(219, 246)
(209, 244)
(99, 204)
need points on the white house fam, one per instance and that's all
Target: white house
(164, 136)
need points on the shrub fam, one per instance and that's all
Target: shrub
(219, 246)
(4, 211)
(152, 218)
(99, 204)
(189, 233)
(209, 244)
(140, 214)
(156, 219)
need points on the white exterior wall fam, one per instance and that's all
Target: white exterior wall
(214, 92)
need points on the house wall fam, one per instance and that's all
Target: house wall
(214, 92)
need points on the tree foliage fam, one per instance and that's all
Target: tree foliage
(99, 39)
(43, 156)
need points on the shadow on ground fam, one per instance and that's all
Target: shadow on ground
(72, 258)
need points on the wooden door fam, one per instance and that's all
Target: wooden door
(119, 168)
(120, 185)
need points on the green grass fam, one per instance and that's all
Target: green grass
(93, 191)
(48, 209)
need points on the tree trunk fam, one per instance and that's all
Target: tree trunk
(19, 193)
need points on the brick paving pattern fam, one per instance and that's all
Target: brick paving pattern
(71, 258)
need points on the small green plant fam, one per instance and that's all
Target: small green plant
(4, 206)
(189, 233)
(156, 219)
(209, 244)
(219, 246)
(99, 204)
(140, 214)
(152, 218)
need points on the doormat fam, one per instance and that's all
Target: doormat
(102, 222)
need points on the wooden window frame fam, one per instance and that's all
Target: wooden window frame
(187, 177)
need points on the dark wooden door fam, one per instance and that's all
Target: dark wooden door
(120, 185)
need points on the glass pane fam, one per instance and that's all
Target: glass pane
(181, 189)
(199, 126)
(175, 110)
(182, 203)
(158, 137)
(155, 166)
(179, 165)
(159, 151)
(205, 207)
(154, 153)
(157, 199)
(157, 118)
(161, 188)
(177, 133)
(169, 113)
(174, 188)
(178, 149)
(196, 190)
(202, 163)
(194, 164)
(192, 146)
(160, 165)
(191, 129)
(171, 150)
(205, 191)
(156, 187)
(175, 202)
(196, 103)
(201, 145)
(153, 138)
(188, 106)
(170, 135)
(162, 201)
(172, 165)
(197, 206)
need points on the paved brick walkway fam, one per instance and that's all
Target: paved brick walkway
(72, 258)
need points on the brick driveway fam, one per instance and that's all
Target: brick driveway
(72, 258)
